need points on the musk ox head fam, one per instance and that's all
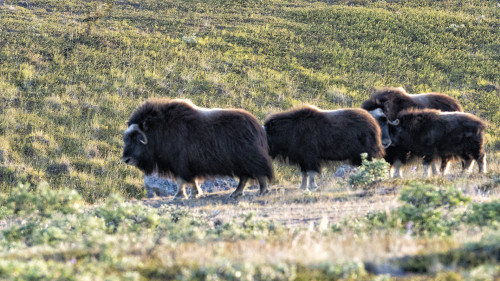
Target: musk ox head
(412, 124)
(390, 100)
(275, 138)
(137, 150)
(384, 125)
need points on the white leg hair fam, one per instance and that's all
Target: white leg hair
(197, 192)
(445, 167)
(469, 165)
(435, 170)
(312, 183)
(303, 183)
(481, 163)
(181, 191)
(426, 170)
(396, 169)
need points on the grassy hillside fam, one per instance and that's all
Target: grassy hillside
(72, 71)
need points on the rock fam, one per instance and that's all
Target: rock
(344, 171)
(219, 184)
(156, 186)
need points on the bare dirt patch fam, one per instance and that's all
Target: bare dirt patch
(288, 206)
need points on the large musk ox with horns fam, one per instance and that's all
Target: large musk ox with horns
(307, 136)
(394, 100)
(176, 138)
(431, 133)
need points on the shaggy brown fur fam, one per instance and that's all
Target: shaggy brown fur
(394, 100)
(431, 133)
(177, 138)
(307, 136)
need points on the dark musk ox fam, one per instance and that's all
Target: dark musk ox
(434, 134)
(394, 100)
(176, 138)
(308, 136)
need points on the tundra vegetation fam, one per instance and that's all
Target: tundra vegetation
(71, 73)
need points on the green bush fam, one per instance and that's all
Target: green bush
(369, 172)
(41, 200)
(118, 214)
(426, 210)
(483, 214)
(432, 197)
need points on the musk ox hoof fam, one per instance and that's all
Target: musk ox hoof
(313, 188)
(264, 192)
(235, 195)
(199, 195)
(179, 197)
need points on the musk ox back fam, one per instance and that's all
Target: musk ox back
(176, 138)
(307, 136)
(432, 133)
(394, 100)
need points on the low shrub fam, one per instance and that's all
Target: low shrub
(426, 210)
(483, 214)
(28, 200)
(369, 172)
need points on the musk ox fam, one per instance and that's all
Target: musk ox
(394, 100)
(176, 138)
(431, 133)
(308, 136)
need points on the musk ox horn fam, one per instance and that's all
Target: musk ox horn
(135, 128)
(394, 123)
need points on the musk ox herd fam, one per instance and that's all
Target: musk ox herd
(177, 139)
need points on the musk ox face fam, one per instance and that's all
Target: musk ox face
(407, 126)
(136, 151)
(384, 125)
(275, 139)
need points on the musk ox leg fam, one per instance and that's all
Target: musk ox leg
(481, 163)
(181, 191)
(312, 183)
(303, 183)
(468, 166)
(445, 165)
(396, 169)
(239, 190)
(426, 170)
(197, 192)
(434, 168)
(263, 186)
(425, 163)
